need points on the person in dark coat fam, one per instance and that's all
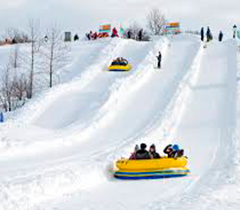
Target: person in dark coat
(202, 34)
(14, 41)
(142, 153)
(159, 58)
(220, 36)
(153, 153)
(129, 34)
(209, 35)
(140, 35)
(234, 31)
(76, 37)
(89, 35)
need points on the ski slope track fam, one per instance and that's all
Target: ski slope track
(214, 103)
(192, 101)
(200, 189)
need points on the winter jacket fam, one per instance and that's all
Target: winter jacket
(129, 34)
(114, 32)
(154, 155)
(169, 151)
(159, 57)
(142, 154)
(140, 35)
(202, 34)
(220, 36)
(133, 156)
(173, 153)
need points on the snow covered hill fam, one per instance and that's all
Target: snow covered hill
(57, 151)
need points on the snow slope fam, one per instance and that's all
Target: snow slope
(61, 157)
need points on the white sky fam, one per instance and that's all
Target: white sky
(83, 15)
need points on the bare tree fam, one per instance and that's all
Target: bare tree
(155, 21)
(13, 83)
(34, 34)
(19, 88)
(134, 28)
(14, 57)
(56, 53)
(12, 89)
(11, 33)
(6, 89)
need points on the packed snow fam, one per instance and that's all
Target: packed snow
(58, 151)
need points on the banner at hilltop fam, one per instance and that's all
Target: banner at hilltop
(171, 28)
(105, 28)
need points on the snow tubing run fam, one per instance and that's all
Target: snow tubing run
(127, 67)
(151, 169)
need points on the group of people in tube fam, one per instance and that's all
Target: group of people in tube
(172, 151)
(120, 61)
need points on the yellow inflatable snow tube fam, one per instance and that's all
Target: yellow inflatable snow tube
(150, 164)
(151, 168)
(127, 67)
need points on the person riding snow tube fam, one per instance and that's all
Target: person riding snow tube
(173, 151)
(120, 64)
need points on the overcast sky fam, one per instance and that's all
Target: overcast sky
(83, 15)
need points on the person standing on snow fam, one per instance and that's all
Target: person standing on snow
(209, 35)
(76, 37)
(159, 58)
(140, 35)
(220, 36)
(234, 31)
(129, 34)
(202, 34)
(114, 33)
